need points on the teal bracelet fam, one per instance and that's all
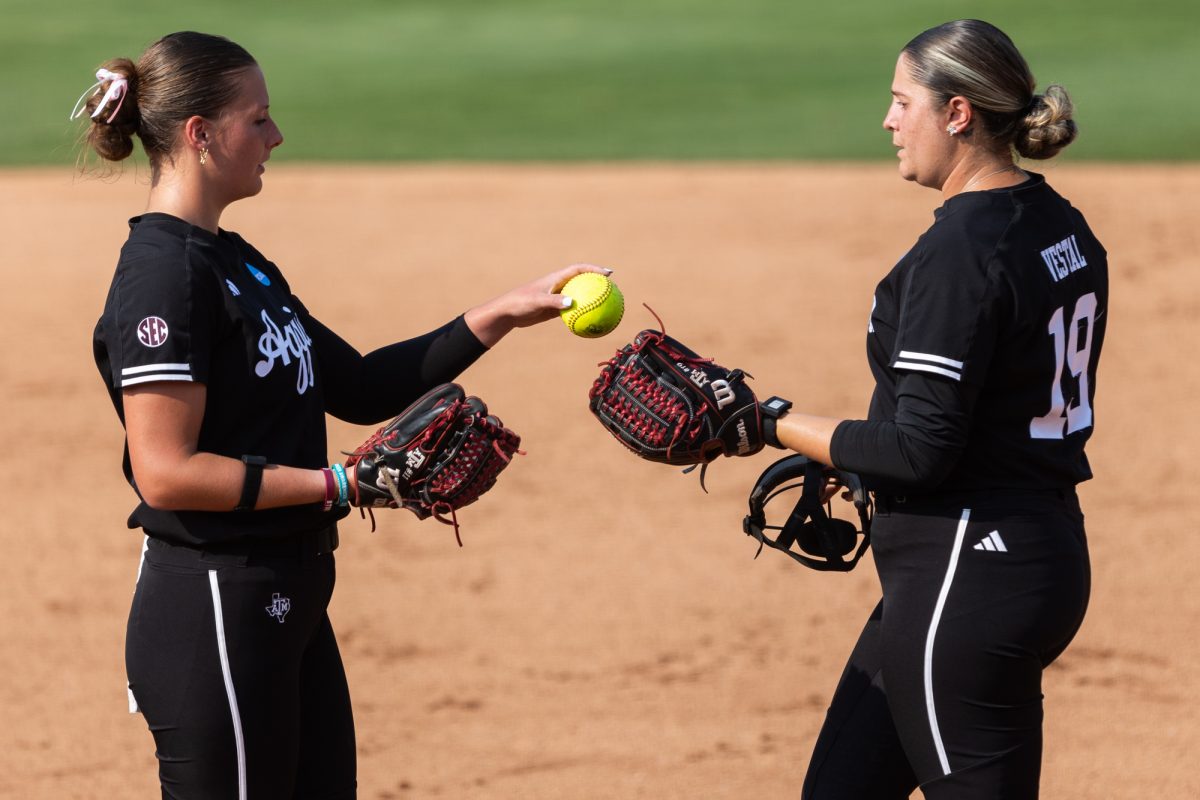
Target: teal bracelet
(343, 484)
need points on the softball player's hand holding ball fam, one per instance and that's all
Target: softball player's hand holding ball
(537, 301)
(597, 305)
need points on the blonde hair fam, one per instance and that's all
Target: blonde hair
(976, 60)
(181, 75)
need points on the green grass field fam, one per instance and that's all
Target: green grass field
(606, 79)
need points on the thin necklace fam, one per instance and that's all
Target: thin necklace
(978, 178)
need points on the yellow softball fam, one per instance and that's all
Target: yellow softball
(597, 305)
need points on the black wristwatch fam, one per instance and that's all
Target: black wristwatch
(772, 409)
(251, 483)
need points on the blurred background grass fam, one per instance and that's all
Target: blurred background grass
(546, 80)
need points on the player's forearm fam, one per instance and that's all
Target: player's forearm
(920, 445)
(895, 453)
(808, 435)
(423, 362)
(530, 304)
(862, 447)
(489, 322)
(367, 389)
(209, 482)
(877, 448)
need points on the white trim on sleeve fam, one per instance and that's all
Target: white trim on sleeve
(928, 368)
(156, 372)
(927, 362)
(950, 362)
(152, 367)
(167, 376)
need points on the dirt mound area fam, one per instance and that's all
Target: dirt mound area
(605, 632)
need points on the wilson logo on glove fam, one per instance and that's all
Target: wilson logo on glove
(723, 393)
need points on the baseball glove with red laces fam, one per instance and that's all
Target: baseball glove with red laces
(668, 404)
(439, 455)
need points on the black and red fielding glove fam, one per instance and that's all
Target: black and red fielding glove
(439, 455)
(667, 404)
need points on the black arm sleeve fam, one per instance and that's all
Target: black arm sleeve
(917, 449)
(372, 388)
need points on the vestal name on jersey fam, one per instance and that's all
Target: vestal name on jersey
(1064, 258)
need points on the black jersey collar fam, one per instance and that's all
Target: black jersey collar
(169, 222)
(1036, 180)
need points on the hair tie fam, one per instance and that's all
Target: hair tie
(118, 87)
(1033, 102)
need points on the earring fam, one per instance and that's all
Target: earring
(950, 129)
(203, 156)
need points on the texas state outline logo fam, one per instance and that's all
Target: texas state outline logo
(279, 607)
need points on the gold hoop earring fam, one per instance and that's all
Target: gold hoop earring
(203, 156)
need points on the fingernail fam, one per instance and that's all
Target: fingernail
(607, 271)
(566, 302)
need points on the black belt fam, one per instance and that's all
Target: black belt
(887, 502)
(304, 545)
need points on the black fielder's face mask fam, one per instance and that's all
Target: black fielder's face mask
(810, 535)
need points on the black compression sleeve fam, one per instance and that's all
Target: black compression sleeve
(920, 447)
(369, 389)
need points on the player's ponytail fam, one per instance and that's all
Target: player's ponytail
(976, 60)
(1048, 127)
(181, 75)
(113, 110)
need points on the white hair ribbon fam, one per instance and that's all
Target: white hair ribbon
(118, 87)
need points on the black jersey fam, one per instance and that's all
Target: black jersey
(1000, 309)
(189, 305)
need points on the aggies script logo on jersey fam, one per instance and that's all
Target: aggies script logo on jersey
(284, 344)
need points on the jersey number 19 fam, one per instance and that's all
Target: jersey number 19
(1076, 355)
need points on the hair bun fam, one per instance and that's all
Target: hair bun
(1048, 126)
(112, 130)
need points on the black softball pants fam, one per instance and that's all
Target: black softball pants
(943, 689)
(234, 665)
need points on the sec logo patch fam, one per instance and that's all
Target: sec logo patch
(152, 331)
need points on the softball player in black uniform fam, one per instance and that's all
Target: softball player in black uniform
(222, 379)
(983, 341)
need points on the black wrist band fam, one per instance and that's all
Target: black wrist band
(772, 409)
(251, 483)
(770, 436)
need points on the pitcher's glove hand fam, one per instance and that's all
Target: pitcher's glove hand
(667, 404)
(439, 455)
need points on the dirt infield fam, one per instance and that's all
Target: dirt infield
(605, 632)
